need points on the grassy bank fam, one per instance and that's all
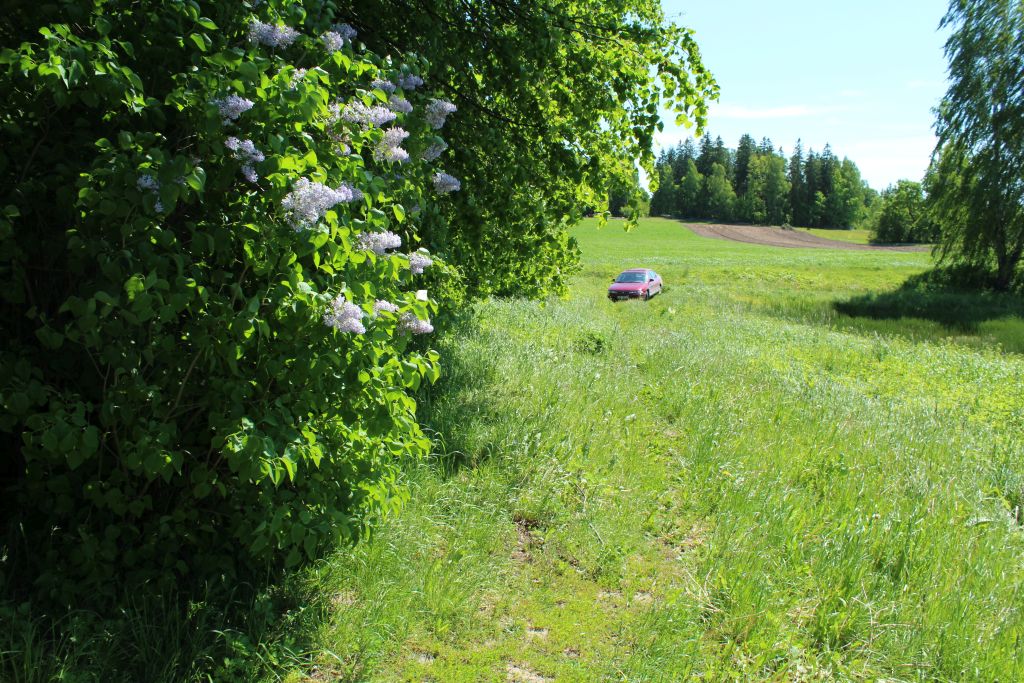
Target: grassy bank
(736, 480)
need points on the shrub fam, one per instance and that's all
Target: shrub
(210, 354)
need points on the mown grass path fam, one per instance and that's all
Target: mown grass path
(732, 481)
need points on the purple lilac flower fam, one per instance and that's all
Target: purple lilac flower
(333, 41)
(308, 201)
(378, 242)
(409, 81)
(344, 316)
(399, 105)
(418, 260)
(380, 305)
(388, 149)
(270, 35)
(159, 206)
(345, 31)
(434, 151)
(357, 112)
(250, 173)
(444, 183)
(148, 182)
(386, 86)
(437, 111)
(408, 322)
(232, 106)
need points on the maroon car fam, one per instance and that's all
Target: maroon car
(635, 283)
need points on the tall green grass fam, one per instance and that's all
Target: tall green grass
(733, 481)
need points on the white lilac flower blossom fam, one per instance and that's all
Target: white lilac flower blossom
(408, 322)
(378, 242)
(297, 76)
(148, 182)
(246, 152)
(344, 316)
(418, 260)
(434, 151)
(309, 201)
(388, 149)
(386, 86)
(437, 111)
(380, 305)
(333, 41)
(357, 112)
(271, 35)
(409, 81)
(399, 105)
(232, 106)
(444, 183)
(159, 206)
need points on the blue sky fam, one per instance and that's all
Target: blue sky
(862, 76)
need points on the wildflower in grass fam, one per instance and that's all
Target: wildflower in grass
(399, 105)
(309, 201)
(388, 149)
(408, 322)
(271, 35)
(357, 112)
(419, 260)
(435, 150)
(386, 86)
(232, 106)
(409, 81)
(380, 305)
(437, 111)
(444, 183)
(378, 242)
(148, 182)
(344, 316)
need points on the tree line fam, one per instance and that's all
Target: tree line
(757, 183)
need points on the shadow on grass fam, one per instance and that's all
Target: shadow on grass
(957, 300)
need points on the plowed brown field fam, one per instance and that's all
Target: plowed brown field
(778, 237)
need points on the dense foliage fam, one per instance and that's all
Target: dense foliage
(755, 183)
(976, 183)
(558, 100)
(903, 216)
(210, 358)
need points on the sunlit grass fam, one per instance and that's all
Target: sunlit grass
(736, 480)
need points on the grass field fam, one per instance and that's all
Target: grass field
(734, 481)
(729, 482)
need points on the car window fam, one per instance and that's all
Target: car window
(630, 277)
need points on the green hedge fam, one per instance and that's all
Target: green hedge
(179, 399)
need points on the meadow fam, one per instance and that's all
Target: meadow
(765, 473)
(734, 480)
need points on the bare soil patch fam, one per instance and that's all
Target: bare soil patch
(779, 237)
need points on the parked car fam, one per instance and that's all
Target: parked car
(635, 283)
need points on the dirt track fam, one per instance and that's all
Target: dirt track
(777, 237)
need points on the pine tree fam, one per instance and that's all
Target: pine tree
(744, 151)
